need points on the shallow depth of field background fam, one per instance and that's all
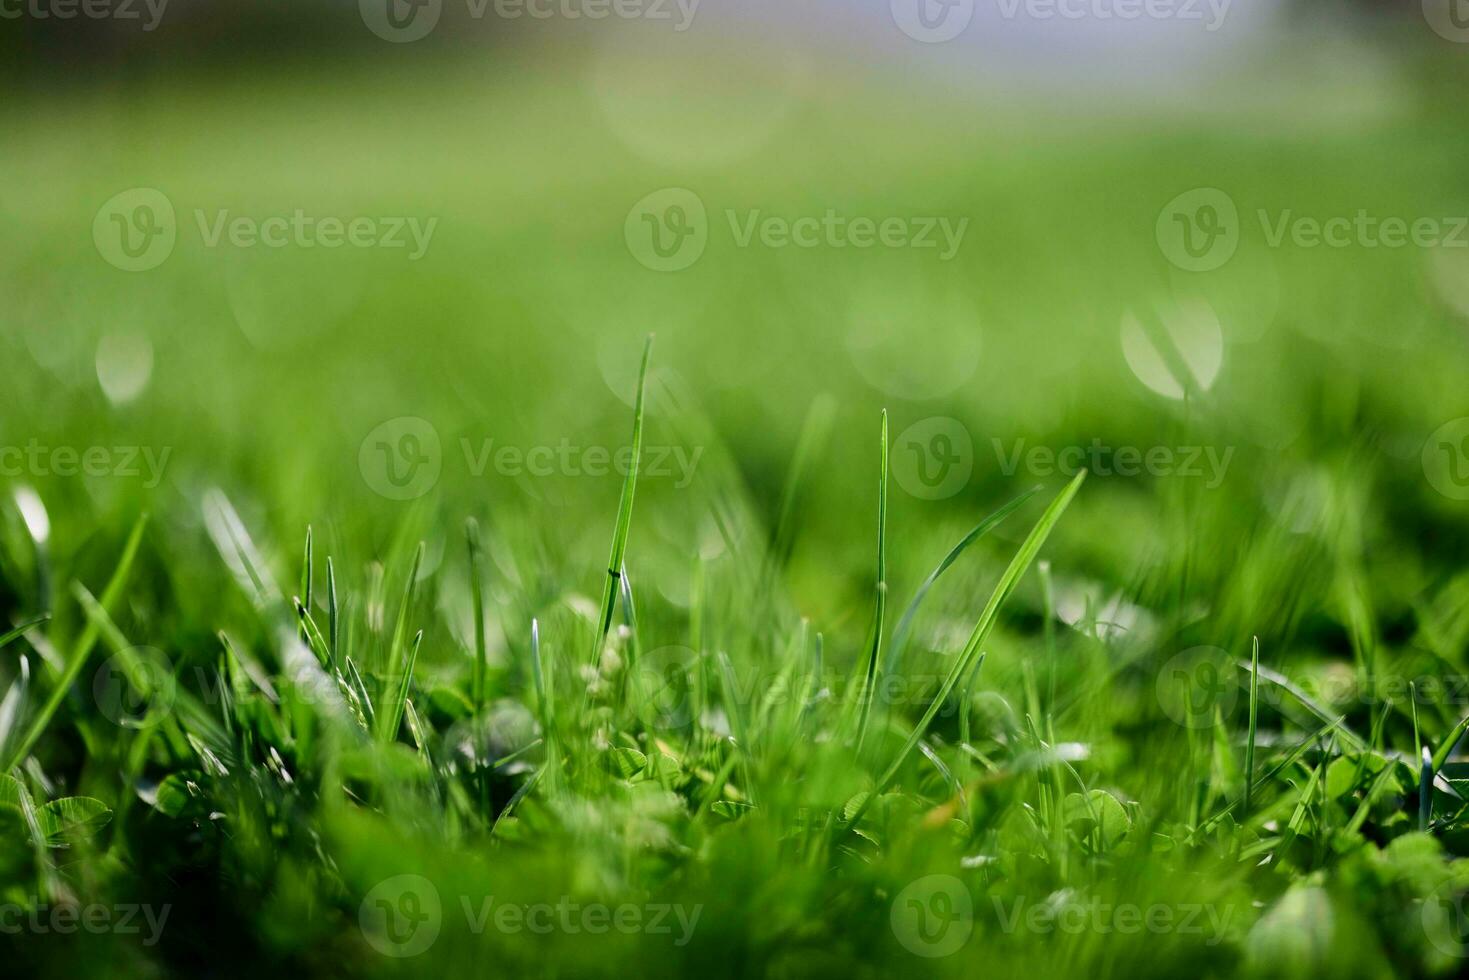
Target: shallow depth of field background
(1326, 371)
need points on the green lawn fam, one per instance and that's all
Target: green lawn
(793, 753)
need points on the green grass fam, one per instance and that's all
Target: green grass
(718, 715)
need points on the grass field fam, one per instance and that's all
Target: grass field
(1025, 603)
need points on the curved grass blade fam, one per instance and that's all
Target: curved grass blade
(1254, 715)
(1018, 565)
(814, 432)
(397, 673)
(13, 635)
(81, 649)
(333, 620)
(477, 598)
(393, 716)
(624, 511)
(905, 622)
(869, 682)
(1351, 738)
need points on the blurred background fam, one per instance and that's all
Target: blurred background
(537, 185)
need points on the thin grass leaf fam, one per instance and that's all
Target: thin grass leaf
(905, 622)
(11, 636)
(333, 615)
(307, 570)
(1425, 791)
(477, 601)
(624, 512)
(814, 433)
(1018, 565)
(1254, 720)
(1351, 738)
(82, 648)
(880, 602)
(391, 715)
(1447, 746)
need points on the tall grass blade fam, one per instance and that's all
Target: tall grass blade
(1254, 718)
(477, 600)
(81, 649)
(1018, 565)
(869, 682)
(905, 622)
(624, 511)
(10, 637)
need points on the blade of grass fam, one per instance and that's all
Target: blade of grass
(1447, 746)
(13, 635)
(82, 648)
(869, 682)
(1018, 565)
(905, 622)
(477, 598)
(1425, 791)
(393, 717)
(624, 511)
(393, 713)
(333, 621)
(813, 436)
(1254, 717)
